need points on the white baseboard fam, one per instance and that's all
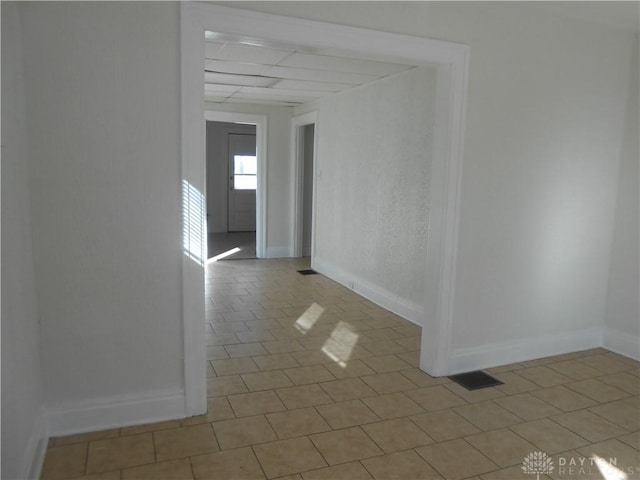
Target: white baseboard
(33, 456)
(504, 353)
(378, 295)
(622, 343)
(278, 252)
(115, 412)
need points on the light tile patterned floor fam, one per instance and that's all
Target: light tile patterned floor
(307, 381)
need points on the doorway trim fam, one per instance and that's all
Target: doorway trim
(260, 121)
(297, 162)
(452, 63)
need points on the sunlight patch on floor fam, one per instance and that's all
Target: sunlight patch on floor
(222, 255)
(608, 470)
(339, 346)
(308, 319)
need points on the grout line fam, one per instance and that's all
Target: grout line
(258, 460)
(215, 437)
(193, 473)
(155, 452)
(86, 459)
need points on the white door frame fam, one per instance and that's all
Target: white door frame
(452, 63)
(297, 162)
(260, 121)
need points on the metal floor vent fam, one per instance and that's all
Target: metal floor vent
(475, 380)
(307, 272)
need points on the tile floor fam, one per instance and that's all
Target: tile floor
(309, 381)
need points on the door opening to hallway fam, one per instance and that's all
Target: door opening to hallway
(232, 179)
(307, 188)
(303, 148)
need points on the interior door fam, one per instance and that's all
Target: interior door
(243, 180)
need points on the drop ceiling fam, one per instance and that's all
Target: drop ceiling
(242, 70)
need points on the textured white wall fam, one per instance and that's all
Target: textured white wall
(22, 396)
(104, 134)
(544, 119)
(623, 312)
(372, 182)
(218, 171)
(278, 172)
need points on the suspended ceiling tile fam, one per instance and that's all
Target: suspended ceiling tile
(306, 85)
(262, 102)
(242, 80)
(281, 91)
(221, 66)
(342, 64)
(281, 98)
(216, 93)
(216, 87)
(291, 73)
(248, 54)
(213, 98)
(211, 49)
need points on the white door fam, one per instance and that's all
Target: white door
(243, 180)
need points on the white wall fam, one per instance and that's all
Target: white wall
(372, 185)
(102, 82)
(544, 120)
(622, 332)
(22, 398)
(538, 196)
(278, 172)
(218, 171)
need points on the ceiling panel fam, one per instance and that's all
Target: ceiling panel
(278, 91)
(261, 102)
(319, 75)
(248, 70)
(242, 68)
(211, 49)
(246, 53)
(305, 85)
(217, 93)
(342, 64)
(215, 98)
(210, 87)
(243, 80)
(282, 98)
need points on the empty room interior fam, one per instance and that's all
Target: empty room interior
(266, 240)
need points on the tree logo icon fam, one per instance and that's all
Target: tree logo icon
(537, 463)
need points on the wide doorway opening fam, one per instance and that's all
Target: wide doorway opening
(271, 31)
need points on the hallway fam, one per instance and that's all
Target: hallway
(307, 380)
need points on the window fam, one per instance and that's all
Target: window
(245, 172)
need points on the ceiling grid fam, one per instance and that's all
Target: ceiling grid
(240, 70)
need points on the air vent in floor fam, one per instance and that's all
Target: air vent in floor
(307, 272)
(475, 380)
